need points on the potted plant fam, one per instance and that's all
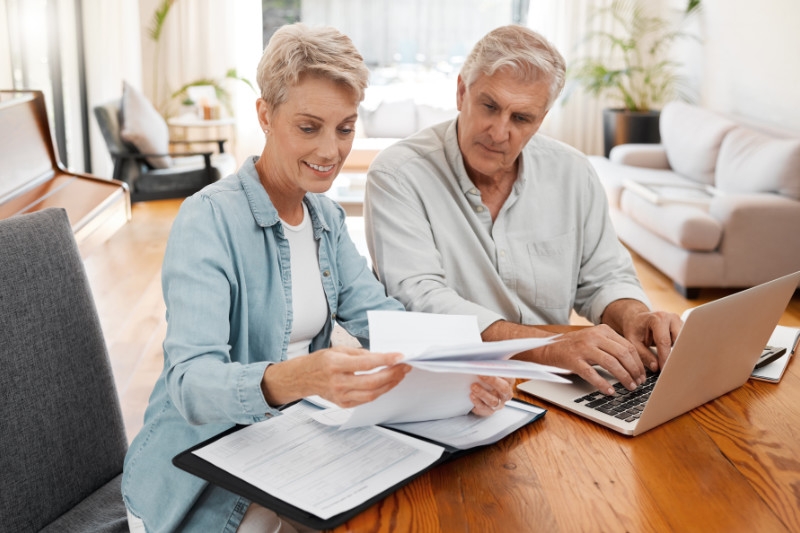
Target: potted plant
(182, 94)
(633, 69)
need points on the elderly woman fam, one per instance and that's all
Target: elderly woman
(257, 269)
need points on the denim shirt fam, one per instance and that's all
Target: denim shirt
(227, 287)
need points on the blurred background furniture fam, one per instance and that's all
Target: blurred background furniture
(138, 141)
(716, 204)
(63, 441)
(33, 178)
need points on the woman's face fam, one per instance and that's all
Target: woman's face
(310, 135)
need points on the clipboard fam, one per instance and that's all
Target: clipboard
(194, 464)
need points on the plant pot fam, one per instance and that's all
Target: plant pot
(621, 126)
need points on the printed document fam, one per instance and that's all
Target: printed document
(447, 354)
(467, 431)
(319, 469)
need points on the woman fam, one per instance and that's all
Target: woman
(257, 269)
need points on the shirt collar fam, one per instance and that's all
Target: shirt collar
(456, 162)
(263, 211)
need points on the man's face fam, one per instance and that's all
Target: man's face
(499, 115)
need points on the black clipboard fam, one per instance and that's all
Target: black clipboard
(199, 467)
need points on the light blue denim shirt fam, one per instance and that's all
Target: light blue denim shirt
(227, 287)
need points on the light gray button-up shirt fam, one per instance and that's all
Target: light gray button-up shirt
(552, 247)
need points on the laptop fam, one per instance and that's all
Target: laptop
(714, 353)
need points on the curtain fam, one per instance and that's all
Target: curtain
(204, 39)
(578, 121)
(112, 53)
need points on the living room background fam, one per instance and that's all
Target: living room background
(744, 67)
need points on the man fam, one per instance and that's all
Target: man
(480, 216)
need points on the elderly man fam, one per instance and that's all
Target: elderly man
(481, 216)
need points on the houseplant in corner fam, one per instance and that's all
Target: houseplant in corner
(632, 68)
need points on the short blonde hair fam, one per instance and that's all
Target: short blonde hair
(296, 50)
(520, 50)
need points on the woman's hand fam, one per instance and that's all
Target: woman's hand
(490, 394)
(345, 376)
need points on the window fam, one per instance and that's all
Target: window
(413, 48)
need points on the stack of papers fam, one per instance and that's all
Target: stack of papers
(447, 354)
(784, 337)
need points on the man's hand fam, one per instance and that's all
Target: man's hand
(659, 329)
(579, 350)
(489, 394)
(621, 345)
(644, 328)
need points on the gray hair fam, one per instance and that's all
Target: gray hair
(523, 52)
(295, 50)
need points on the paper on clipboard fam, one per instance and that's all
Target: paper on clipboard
(444, 367)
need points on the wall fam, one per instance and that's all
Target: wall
(749, 66)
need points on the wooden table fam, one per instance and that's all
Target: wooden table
(731, 465)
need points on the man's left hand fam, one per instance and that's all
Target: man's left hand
(652, 328)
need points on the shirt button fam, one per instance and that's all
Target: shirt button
(327, 273)
(479, 209)
(333, 316)
(473, 191)
(502, 253)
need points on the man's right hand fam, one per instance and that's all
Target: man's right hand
(599, 345)
(578, 351)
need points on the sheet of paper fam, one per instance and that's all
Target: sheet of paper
(481, 351)
(502, 368)
(447, 354)
(317, 468)
(411, 333)
(422, 395)
(468, 431)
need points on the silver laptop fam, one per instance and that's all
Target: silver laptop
(714, 354)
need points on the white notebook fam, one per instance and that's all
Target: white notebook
(785, 337)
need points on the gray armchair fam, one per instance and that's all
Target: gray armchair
(140, 149)
(62, 442)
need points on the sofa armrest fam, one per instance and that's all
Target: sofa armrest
(640, 155)
(760, 234)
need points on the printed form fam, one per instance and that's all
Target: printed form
(322, 470)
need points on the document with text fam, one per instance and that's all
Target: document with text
(319, 469)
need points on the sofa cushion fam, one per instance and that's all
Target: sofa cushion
(687, 226)
(392, 118)
(692, 137)
(750, 161)
(614, 176)
(144, 127)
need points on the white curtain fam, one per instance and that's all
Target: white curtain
(112, 53)
(204, 39)
(577, 122)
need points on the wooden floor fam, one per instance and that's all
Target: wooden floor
(125, 275)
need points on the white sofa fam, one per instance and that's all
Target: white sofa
(745, 231)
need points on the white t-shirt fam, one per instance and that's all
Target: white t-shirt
(309, 305)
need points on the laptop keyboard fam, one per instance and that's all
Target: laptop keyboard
(626, 405)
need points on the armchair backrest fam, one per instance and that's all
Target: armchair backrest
(62, 434)
(125, 169)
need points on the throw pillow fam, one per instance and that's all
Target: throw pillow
(691, 137)
(750, 161)
(144, 127)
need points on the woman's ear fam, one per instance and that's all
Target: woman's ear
(263, 112)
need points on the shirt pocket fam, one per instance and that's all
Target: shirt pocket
(553, 266)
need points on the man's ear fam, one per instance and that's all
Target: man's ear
(460, 91)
